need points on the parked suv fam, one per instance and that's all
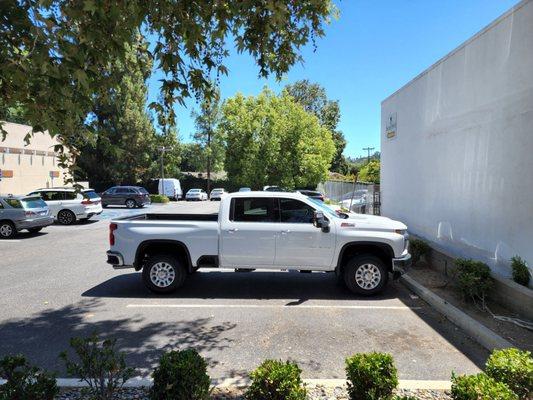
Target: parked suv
(23, 212)
(67, 205)
(129, 196)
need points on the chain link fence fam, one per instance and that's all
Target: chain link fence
(362, 198)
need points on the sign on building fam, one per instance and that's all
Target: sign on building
(390, 127)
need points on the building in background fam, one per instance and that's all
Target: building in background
(457, 146)
(24, 168)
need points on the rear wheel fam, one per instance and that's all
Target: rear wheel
(163, 274)
(7, 230)
(130, 203)
(366, 275)
(66, 217)
(34, 230)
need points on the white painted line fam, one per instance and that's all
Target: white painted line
(10, 241)
(317, 306)
(243, 381)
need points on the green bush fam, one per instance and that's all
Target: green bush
(521, 274)
(418, 248)
(276, 380)
(181, 375)
(158, 198)
(404, 398)
(371, 376)
(25, 382)
(480, 387)
(514, 368)
(100, 366)
(474, 279)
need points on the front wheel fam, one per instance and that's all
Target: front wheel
(366, 275)
(7, 230)
(163, 274)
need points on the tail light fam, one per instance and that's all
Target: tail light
(86, 202)
(30, 214)
(112, 229)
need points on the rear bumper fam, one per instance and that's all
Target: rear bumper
(116, 260)
(34, 223)
(401, 265)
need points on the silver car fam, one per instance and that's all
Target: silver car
(23, 212)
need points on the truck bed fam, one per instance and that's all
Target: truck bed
(171, 217)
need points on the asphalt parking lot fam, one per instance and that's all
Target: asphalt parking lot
(56, 284)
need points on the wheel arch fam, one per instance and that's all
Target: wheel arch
(166, 246)
(382, 250)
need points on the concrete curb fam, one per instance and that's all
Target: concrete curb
(477, 331)
(245, 381)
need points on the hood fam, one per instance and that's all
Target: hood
(374, 222)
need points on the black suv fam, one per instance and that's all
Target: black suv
(129, 196)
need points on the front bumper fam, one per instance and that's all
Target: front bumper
(116, 260)
(401, 265)
(34, 223)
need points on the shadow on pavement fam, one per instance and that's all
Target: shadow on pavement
(229, 285)
(27, 235)
(42, 336)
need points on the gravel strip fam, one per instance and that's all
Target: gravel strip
(315, 392)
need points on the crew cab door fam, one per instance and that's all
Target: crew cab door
(299, 243)
(248, 233)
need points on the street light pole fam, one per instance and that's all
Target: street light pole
(368, 149)
(162, 149)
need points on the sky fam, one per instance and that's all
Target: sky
(372, 49)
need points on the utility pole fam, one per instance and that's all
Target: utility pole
(368, 149)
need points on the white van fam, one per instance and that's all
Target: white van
(172, 188)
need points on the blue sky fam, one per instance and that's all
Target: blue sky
(373, 49)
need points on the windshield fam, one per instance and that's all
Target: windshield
(194, 190)
(321, 206)
(143, 190)
(33, 202)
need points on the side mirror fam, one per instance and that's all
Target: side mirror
(320, 222)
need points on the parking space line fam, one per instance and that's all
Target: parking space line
(317, 306)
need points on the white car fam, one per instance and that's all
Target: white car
(216, 194)
(196, 194)
(261, 230)
(67, 206)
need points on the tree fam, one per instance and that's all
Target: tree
(272, 140)
(192, 157)
(123, 143)
(314, 99)
(207, 135)
(370, 172)
(57, 55)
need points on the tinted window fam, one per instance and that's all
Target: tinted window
(36, 202)
(13, 203)
(110, 191)
(70, 195)
(124, 190)
(90, 194)
(258, 209)
(296, 211)
(143, 190)
(52, 195)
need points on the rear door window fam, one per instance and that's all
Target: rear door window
(70, 195)
(258, 209)
(14, 203)
(52, 195)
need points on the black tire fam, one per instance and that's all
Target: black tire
(66, 217)
(168, 264)
(7, 230)
(130, 203)
(104, 205)
(35, 230)
(366, 275)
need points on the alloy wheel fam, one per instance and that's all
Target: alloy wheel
(6, 230)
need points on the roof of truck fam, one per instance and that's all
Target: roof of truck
(293, 195)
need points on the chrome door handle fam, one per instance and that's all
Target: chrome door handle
(285, 232)
(232, 230)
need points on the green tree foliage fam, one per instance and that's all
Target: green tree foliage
(123, 143)
(192, 157)
(370, 172)
(272, 140)
(314, 100)
(207, 135)
(57, 55)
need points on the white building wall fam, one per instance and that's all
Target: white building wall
(459, 168)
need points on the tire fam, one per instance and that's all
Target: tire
(66, 217)
(366, 275)
(104, 205)
(130, 203)
(35, 230)
(173, 274)
(7, 230)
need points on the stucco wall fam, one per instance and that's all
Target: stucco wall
(458, 169)
(30, 165)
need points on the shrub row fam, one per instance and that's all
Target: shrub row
(158, 198)
(182, 375)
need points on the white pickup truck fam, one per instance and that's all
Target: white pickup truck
(261, 230)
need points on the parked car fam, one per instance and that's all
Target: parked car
(274, 189)
(129, 196)
(358, 203)
(311, 193)
(23, 212)
(171, 188)
(261, 230)
(196, 194)
(216, 194)
(245, 189)
(67, 205)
